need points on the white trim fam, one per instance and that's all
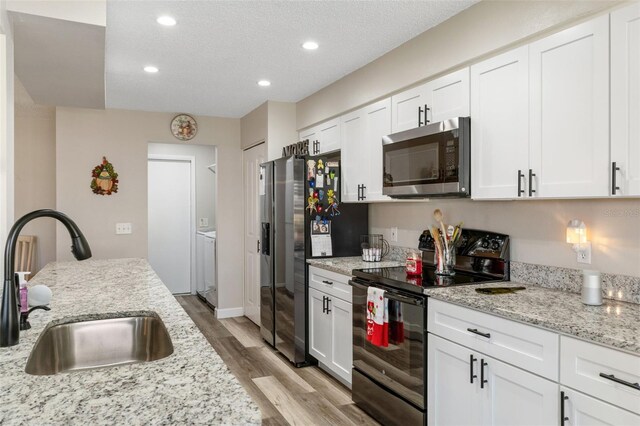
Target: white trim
(192, 237)
(229, 312)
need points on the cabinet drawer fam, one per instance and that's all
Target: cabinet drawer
(518, 344)
(329, 282)
(581, 366)
(581, 409)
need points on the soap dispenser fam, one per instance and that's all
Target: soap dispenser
(24, 299)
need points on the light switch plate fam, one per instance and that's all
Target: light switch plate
(203, 221)
(393, 235)
(123, 228)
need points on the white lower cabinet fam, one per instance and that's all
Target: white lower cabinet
(469, 388)
(330, 323)
(582, 410)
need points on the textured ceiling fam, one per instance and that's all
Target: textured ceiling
(211, 60)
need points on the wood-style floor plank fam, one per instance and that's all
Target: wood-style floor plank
(286, 395)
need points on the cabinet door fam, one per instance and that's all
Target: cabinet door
(625, 99)
(583, 410)
(353, 159)
(569, 139)
(200, 286)
(377, 118)
(209, 265)
(514, 397)
(342, 338)
(448, 96)
(408, 109)
(329, 136)
(451, 397)
(319, 327)
(500, 125)
(312, 135)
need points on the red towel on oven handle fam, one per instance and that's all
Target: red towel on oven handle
(377, 317)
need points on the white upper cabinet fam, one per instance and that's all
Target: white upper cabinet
(625, 101)
(354, 162)
(448, 96)
(569, 112)
(361, 154)
(323, 138)
(500, 125)
(440, 99)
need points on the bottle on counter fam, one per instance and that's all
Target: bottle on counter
(413, 264)
(24, 298)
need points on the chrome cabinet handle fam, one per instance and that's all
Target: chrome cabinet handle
(479, 333)
(614, 170)
(613, 378)
(472, 376)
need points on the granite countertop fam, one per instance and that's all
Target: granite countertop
(344, 265)
(191, 386)
(615, 324)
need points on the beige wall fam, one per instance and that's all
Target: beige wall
(253, 126)
(273, 123)
(83, 136)
(482, 29)
(35, 170)
(537, 227)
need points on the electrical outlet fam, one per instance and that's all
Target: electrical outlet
(123, 228)
(584, 253)
(203, 221)
(393, 235)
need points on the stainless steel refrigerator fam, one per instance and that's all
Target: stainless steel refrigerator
(284, 247)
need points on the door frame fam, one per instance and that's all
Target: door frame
(192, 226)
(244, 227)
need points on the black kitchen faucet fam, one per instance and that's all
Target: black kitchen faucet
(9, 317)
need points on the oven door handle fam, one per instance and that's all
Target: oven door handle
(392, 295)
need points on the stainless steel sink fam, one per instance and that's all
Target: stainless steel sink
(86, 342)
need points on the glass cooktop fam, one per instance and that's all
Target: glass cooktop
(397, 277)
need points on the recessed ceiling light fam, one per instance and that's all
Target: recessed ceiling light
(310, 45)
(151, 69)
(166, 20)
(264, 83)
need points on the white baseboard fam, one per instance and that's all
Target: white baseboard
(229, 312)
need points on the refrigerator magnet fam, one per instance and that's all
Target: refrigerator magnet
(312, 182)
(311, 168)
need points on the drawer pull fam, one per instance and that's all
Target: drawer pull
(479, 333)
(472, 376)
(327, 282)
(611, 377)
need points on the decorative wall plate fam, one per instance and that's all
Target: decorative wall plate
(104, 180)
(184, 127)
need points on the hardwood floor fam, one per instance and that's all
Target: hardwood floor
(286, 395)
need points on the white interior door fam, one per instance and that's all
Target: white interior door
(170, 222)
(253, 157)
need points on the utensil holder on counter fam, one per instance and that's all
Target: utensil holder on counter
(374, 247)
(445, 258)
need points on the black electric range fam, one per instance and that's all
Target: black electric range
(397, 278)
(390, 383)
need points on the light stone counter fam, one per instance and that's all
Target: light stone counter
(191, 386)
(615, 323)
(344, 265)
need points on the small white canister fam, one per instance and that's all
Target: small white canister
(591, 288)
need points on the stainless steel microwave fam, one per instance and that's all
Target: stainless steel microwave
(429, 161)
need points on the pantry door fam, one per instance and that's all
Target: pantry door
(171, 221)
(252, 158)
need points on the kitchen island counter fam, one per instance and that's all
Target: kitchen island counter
(191, 386)
(614, 323)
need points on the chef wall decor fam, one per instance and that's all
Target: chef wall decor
(104, 179)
